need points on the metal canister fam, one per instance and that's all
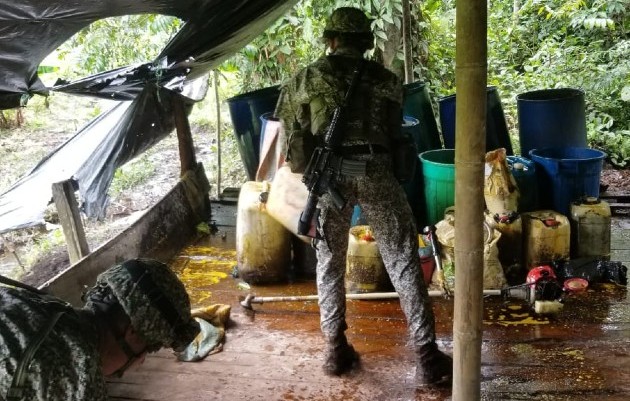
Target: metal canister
(590, 228)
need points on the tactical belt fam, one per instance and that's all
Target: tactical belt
(365, 149)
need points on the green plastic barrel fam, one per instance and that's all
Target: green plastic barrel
(438, 170)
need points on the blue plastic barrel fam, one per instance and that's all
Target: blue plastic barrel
(417, 104)
(567, 174)
(245, 111)
(357, 217)
(551, 118)
(524, 172)
(497, 135)
(264, 119)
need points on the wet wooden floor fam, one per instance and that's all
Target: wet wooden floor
(274, 353)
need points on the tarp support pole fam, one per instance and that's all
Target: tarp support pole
(470, 145)
(70, 218)
(406, 37)
(187, 157)
(218, 101)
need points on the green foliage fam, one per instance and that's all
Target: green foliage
(539, 44)
(580, 44)
(132, 174)
(115, 42)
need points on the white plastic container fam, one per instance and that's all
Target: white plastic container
(263, 246)
(510, 243)
(590, 228)
(546, 237)
(365, 271)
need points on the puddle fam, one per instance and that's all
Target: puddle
(512, 315)
(200, 268)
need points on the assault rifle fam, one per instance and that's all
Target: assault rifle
(326, 164)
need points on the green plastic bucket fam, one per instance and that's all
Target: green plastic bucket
(438, 170)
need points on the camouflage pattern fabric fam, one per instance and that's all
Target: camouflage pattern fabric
(160, 314)
(310, 97)
(380, 196)
(67, 365)
(348, 20)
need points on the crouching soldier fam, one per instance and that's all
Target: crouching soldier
(52, 351)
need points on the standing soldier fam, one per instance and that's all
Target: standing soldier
(50, 351)
(372, 125)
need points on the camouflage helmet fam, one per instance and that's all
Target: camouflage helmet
(348, 20)
(154, 299)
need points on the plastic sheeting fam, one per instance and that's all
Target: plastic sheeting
(32, 29)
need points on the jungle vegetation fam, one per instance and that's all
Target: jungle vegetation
(532, 44)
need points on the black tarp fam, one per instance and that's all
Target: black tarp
(32, 29)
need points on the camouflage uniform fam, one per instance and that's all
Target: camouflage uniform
(67, 365)
(153, 298)
(373, 117)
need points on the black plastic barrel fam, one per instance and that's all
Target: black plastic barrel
(417, 104)
(414, 188)
(497, 135)
(551, 118)
(245, 112)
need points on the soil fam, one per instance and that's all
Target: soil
(31, 262)
(35, 255)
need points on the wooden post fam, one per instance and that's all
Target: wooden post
(187, 157)
(68, 210)
(218, 100)
(471, 81)
(406, 36)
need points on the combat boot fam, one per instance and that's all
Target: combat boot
(433, 367)
(340, 356)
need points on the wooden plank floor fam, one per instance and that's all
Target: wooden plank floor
(274, 353)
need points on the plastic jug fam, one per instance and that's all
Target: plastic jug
(510, 244)
(365, 271)
(590, 228)
(546, 237)
(263, 246)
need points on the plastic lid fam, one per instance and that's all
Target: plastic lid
(575, 284)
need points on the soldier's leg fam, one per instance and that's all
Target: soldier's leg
(331, 265)
(387, 211)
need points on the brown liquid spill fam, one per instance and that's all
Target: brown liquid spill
(510, 315)
(201, 267)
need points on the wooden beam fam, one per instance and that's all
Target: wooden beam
(159, 234)
(68, 210)
(470, 121)
(184, 136)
